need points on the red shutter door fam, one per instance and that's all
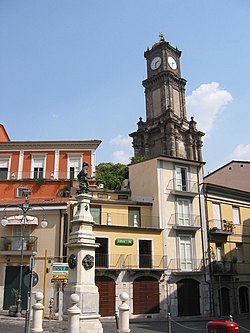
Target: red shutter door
(106, 288)
(145, 295)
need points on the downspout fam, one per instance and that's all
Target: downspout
(200, 169)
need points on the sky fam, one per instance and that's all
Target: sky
(73, 70)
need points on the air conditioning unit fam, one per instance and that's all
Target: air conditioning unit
(22, 192)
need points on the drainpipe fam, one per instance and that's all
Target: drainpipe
(199, 169)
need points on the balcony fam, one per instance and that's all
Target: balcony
(119, 219)
(123, 261)
(226, 267)
(220, 229)
(184, 266)
(187, 188)
(185, 221)
(12, 245)
(42, 176)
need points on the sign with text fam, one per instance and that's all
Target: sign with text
(124, 241)
(60, 271)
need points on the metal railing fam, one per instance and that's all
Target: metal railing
(223, 267)
(221, 226)
(187, 186)
(144, 221)
(14, 243)
(130, 261)
(185, 220)
(185, 265)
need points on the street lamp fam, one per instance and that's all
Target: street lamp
(25, 207)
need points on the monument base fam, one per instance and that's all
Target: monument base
(87, 324)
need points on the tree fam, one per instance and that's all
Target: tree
(111, 175)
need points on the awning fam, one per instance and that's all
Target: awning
(18, 219)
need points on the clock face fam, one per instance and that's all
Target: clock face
(172, 63)
(156, 63)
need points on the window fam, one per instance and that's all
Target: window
(216, 216)
(4, 168)
(239, 252)
(74, 166)
(145, 253)
(236, 215)
(219, 252)
(96, 213)
(38, 167)
(134, 216)
(183, 209)
(101, 252)
(22, 192)
(186, 262)
(17, 236)
(181, 179)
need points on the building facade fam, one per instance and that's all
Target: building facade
(228, 223)
(42, 172)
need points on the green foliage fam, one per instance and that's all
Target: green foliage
(136, 159)
(14, 294)
(111, 175)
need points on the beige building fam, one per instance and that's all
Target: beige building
(173, 187)
(228, 216)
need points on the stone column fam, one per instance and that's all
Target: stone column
(81, 260)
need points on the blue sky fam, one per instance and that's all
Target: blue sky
(72, 70)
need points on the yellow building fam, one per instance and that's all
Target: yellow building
(228, 216)
(130, 253)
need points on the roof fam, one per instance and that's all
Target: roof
(35, 201)
(4, 137)
(45, 145)
(235, 174)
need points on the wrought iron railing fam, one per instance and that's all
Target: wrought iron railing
(185, 265)
(14, 243)
(223, 267)
(143, 221)
(130, 261)
(185, 220)
(187, 186)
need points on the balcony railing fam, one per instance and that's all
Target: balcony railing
(187, 186)
(143, 221)
(185, 220)
(50, 174)
(221, 227)
(185, 265)
(14, 244)
(223, 267)
(130, 261)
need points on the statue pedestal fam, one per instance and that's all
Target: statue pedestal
(82, 269)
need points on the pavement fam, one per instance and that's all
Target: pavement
(198, 325)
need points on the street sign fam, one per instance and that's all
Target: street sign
(124, 241)
(60, 271)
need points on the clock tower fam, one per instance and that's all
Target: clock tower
(166, 130)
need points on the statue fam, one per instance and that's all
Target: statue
(83, 179)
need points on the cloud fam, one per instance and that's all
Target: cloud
(55, 115)
(241, 152)
(121, 156)
(206, 102)
(120, 140)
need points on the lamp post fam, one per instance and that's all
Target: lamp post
(25, 207)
